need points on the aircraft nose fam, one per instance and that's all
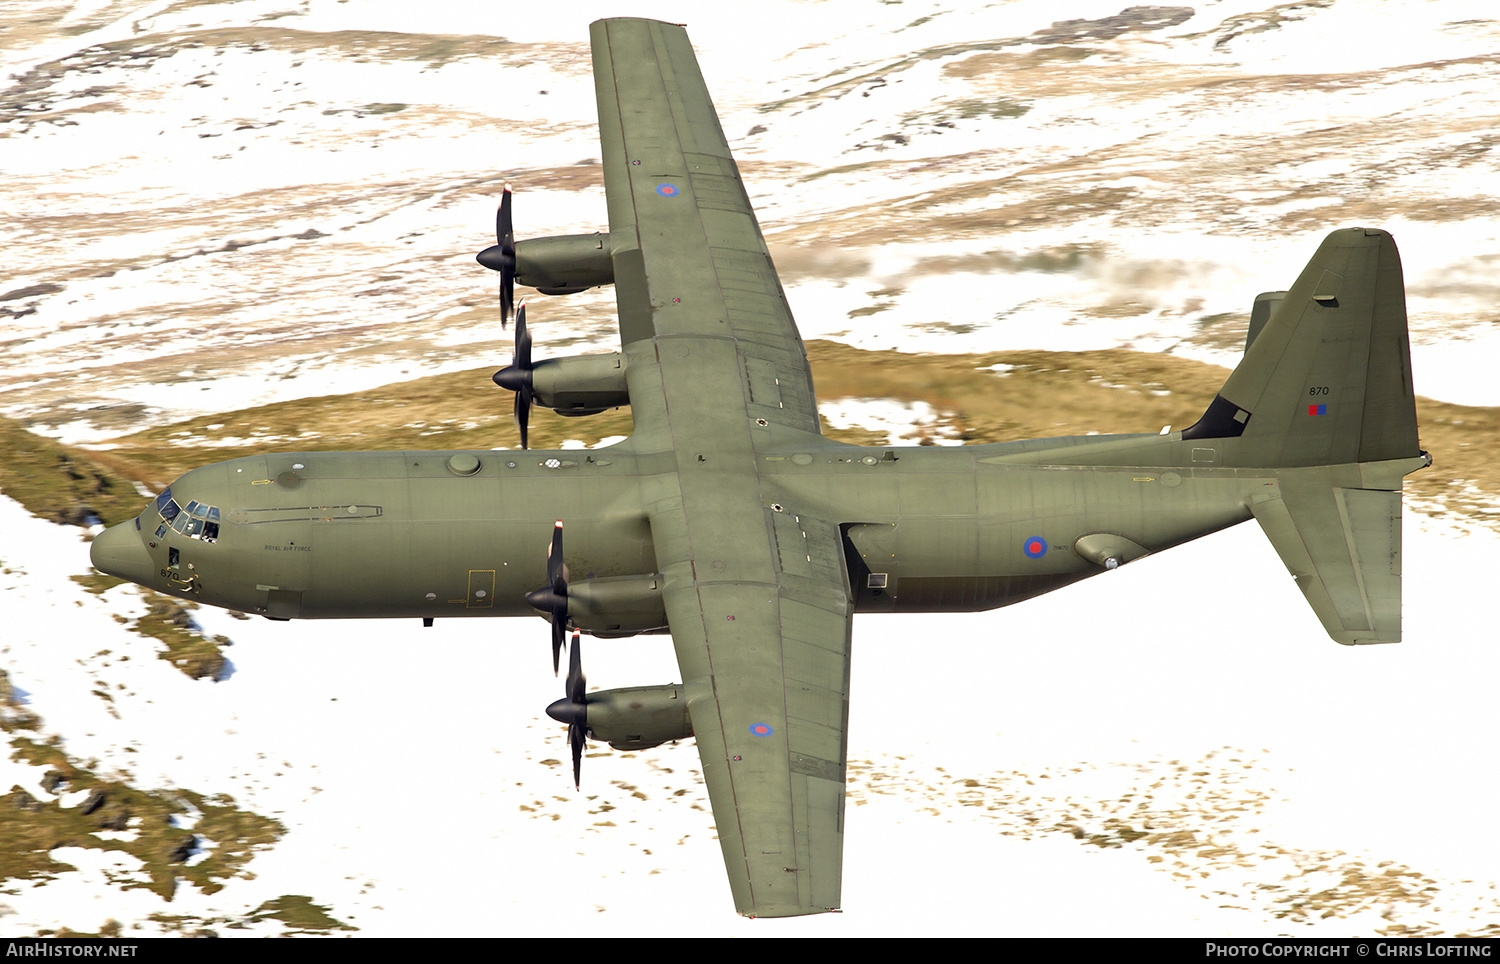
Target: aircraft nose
(119, 551)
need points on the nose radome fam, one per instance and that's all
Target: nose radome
(119, 552)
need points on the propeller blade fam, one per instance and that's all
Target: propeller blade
(576, 737)
(573, 710)
(523, 412)
(516, 376)
(578, 729)
(557, 576)
(504, 236)
(501, 256)
(522, 356)
(522, 361)
(553, 598)
(576, 680)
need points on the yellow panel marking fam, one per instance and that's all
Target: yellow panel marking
(481, 589)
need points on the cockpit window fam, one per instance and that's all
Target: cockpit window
(197, 521)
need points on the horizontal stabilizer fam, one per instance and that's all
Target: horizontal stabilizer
(1343, 546)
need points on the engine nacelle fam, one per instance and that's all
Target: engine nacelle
(580, 384)
(565, 264)
(614, 606)
(639, 717)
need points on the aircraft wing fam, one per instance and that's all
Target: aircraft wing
(768, 674)
(688, 254)
(756, 594)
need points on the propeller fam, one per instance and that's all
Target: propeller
(501, 257)
(573, 710)
(517, 375)
(553, 600)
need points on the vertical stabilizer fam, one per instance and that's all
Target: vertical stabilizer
(1327, 380)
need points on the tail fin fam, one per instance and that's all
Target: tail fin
(1323, 398)
(1327, 381)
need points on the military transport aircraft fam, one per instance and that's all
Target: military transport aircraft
(728, 520)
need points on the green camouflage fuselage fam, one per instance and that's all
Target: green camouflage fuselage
(391, 534)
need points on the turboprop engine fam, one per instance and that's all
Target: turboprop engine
(574, 385)
(632, 718)
(558, 265)
(607, 606)
(565, 264)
